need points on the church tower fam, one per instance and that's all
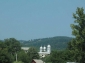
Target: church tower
(44, 49)
(48, 49)
(41, 49)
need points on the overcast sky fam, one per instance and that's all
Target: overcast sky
(32, 19)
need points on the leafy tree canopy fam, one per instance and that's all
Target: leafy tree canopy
(22, 56)
(13, 45)
(78, 30)
(32, 54)
(5, 57)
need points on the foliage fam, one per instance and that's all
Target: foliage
(59, 42)
(57, 57)
(13, 45)
(32, 54)
(78, 43)
(7, 50)
(18, 62)
(22, 56)
(5, 57)
(46, 59)
(2, 45)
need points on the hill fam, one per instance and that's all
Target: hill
(58, 42)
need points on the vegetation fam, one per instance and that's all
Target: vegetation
(59, 57)
(13, 45)
(17, 62)
(5, 56)
(77, 45)
(22, 56)
(8, 49)
(32, 54)
(57, 43)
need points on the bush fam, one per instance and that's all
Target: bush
(18, 62)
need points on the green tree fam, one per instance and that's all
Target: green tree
(13, 45)
(68, 55)
(57, 57)
(46, 59)
(5, 57)
(2, 45)
(32, 54)
(22, 56)
(78, 43)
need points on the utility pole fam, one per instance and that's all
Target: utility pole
(16, 57)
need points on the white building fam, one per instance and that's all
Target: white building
(25, 49)
(45, 51)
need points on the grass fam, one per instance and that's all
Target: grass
(18, 62)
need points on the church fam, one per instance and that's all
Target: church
(43, 50)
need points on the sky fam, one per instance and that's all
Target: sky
(33, 19)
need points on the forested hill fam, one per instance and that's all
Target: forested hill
(59, 42)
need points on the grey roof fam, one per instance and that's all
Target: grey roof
(38, 61)
(25, 48)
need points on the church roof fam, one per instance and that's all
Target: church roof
(44, 47)
(48, 46)
(41, 47)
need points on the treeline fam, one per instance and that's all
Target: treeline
(11, 47)
(57, 43)
(57, 56)
(8, 48)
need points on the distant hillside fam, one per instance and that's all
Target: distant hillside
(59, 42)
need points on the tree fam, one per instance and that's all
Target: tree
(68, 55)
(57, 57)
(78, 30)
(22, 56)
(46, 59)
(2, 45)
(32, 54)
(13, 45)
(8, 48)
(5, 57)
